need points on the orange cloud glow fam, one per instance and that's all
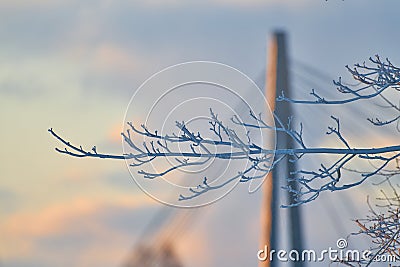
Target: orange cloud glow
(21, 229)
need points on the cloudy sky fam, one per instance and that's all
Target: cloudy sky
(73, 65)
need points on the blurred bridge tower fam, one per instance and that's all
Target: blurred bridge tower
(277, 81)
(162, 255)
(156, 246)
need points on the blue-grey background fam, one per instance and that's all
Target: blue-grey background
(73, 65)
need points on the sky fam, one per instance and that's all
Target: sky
(74, 65)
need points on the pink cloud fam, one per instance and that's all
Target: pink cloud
(22, 231)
